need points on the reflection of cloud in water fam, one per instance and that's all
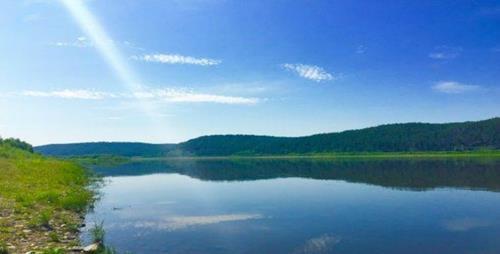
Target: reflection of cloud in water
(181, 222)
(165, 203)
(321, 244)
(465, 224)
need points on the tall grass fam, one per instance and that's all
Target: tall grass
(31, 180)
(39, 191)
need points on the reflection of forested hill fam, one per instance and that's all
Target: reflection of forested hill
(411, 174)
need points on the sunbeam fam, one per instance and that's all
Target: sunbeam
(111, 54)
(103, 42)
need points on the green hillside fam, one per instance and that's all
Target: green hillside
(407, 137)
(128, 149)
(385, 138)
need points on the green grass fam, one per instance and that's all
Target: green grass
(40, 193)
(31, 180)
(98, 233)
(3, 248)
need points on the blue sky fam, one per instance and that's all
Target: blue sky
(166, 71)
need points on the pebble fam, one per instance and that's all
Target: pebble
(91, 248)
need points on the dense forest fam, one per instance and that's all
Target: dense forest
(128, 149)
(408, 137)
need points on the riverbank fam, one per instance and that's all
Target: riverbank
(42, 202)
(353, 155)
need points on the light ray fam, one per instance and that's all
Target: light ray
(104, 44)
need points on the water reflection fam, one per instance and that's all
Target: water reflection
(321, 244)
(173, 223)
(405, 174)
(223, 206)
(466, 224)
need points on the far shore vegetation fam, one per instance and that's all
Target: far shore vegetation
(114, 160)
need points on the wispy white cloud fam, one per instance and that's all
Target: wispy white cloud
(182, 222)
(453, 87)
(160, 95)
(70, 94)
(176, 59)
(182, 95)
(311, 72)
(445, 53)
(80, 42)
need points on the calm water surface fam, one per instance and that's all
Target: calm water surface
(301, 206)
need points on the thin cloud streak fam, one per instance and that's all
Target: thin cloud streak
(70, 94)
(311, 72)
(80, 42)
(160, 95)
(174, 95)
(176, 59)
(453, 87)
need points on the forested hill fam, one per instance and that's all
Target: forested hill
(128, 149)
(385, 138)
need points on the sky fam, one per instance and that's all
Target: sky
(165, 71)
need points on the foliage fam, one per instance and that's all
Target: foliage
(409, 137)
(127, 149)
(99, 160)
(17, 143)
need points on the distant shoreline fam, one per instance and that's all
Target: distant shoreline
(444, 154)
(113, 159)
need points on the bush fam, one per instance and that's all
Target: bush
(17, 143)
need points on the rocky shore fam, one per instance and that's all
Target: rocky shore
(25, 233)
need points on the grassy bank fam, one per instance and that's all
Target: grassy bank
(42, 201)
